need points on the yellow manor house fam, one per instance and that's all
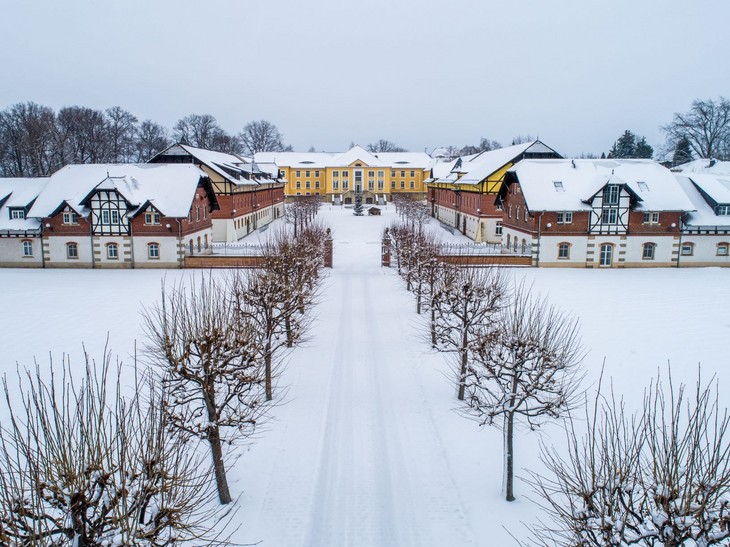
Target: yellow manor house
(339, 176)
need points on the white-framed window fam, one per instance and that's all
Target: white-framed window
(72, 250)
(17, 214)
(371, 185)
(611, 194)
(69, 218)
(565, 217)
(153, 251)
(308, 184)
(606, 254)
(316, 184)
(413, 174)
(151, 218)
(345, 173)
(402, 184)
(723, 210)
(498, 228)
(413, 184)
(27, 247)
(392, 174)
(345, 185)
(609, 216)
(335, 174)
(380, 185)
(651, 218)
(403, 174)
(392, 184)
(381, 174)
(335, 185)
(558, 186)
(299, 184)
(109, 216)
(563, 251)
(723, 248)
(112, 251)
(298, 174)
(688, 249)
(648, 251)
(527, 214)
(307, 174)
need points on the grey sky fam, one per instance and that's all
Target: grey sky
(421, 73)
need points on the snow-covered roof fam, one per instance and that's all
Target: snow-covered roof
(477, 167)
(567, 185)
(231, 167)
(170, 188)
(322, 160)
(717, 187)
(703, 213)
(704, 166)
(19, 192)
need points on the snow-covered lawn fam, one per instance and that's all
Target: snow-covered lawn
(366, 448)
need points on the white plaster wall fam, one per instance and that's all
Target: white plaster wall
(705, 250)
(56, 254)
(11, 252)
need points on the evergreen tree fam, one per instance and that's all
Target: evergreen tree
(682, 152)
(624, 147)
(643, 149)
(357, 210)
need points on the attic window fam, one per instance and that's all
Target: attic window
(17, 214)
(644, 187)
(558, 186)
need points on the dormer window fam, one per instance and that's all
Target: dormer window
(723, 210)
(152, 218)
(17, 214)
(611, 194)
(70, 218)
(558, 186)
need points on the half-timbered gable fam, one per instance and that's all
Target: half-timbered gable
(124, 216)
(467, 195)
(609, 213)
(19, 234)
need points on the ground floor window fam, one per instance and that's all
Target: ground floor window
(498, 228)
(648, 251)
(112, 251)
(723, 248)
(606, 254)
(72, 250)
(688, 249)
(27, 248)
(153, 251)
(563, 251)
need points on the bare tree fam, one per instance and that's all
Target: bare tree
(467, 299)
(27, 141)
(485, 145)
(706, 126)
(522, 139)
(203, 131)
(122, 134)
(302, 212)
(384, 145)
(86, 464)
(205, 350)
(151, 139)
(82, 136)
(262, 136)
(660, 476)
(524, 363)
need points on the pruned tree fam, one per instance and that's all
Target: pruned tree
(659, 476)
(467, 299)
(90, 460)
(262, 136)
(302, 211)
(706, 126)
(384, 145)
(524, 363)
(206, 352)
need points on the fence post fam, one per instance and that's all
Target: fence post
(385, 257)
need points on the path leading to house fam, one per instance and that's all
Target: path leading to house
(355, 458)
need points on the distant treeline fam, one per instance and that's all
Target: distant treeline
(37, 141)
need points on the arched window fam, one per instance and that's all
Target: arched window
(112, 251)
(153, 251)
(205, 240)
(564, 251)
(688, 248)
(524, 246)
(509, 240)
(192, 247)
(723, 248)
(606, 258)
(72, 250)
(648, 251)
(27, 247)
(198, 243)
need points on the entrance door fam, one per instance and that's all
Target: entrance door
(606, 254)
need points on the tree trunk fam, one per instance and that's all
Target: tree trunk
(289, 334)
(464, 357)
(509, 456)
(214, 438)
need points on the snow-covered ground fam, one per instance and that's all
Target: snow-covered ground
(367, 449)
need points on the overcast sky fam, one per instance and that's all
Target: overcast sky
(421, 73)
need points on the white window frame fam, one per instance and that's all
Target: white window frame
(152, 218)
(70, 218)
(17, 214)
(606, 255)
(563, 256)
(723, 249)
(609, 216)
(27, 248)
(648, 251)
(72, 250)
(153, 251)
(723, 210)
(112, 255)
(687, 249)
(498, 228)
